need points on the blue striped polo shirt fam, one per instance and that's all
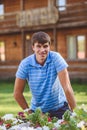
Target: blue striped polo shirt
(46, 89)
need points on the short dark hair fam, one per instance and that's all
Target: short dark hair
(40, 37)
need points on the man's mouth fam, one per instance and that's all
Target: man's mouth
(43, 54)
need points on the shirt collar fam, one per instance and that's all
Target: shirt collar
(33, 61)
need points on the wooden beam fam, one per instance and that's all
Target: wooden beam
(76, 18)
(51, 3)
(23, 43)
(21, 5)
(72, 24)
(70, 12)
(55, 37)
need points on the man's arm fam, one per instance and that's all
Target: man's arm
(65, 82)
(18, 93)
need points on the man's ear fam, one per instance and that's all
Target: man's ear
(33, 47)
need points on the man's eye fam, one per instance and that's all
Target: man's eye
(45, 46)
(38, 46)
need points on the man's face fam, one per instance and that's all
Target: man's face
(41, 51)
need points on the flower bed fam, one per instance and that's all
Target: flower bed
(37, 121)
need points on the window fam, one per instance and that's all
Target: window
(71, 43)
(61, 4)
(1, 11)
(81, 47)
(76, 47)
(2, 51)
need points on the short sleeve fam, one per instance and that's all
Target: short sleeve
(22, 71)
(59, 62)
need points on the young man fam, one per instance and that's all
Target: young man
(47, 77)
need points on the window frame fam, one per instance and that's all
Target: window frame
(1, 11)
(76, 47)
(1, 59)
(59, 4)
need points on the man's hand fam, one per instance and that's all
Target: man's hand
(29, 111)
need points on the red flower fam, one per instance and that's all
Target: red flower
(8, 125)
(49, 119)
(21, 115)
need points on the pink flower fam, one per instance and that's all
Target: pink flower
(1, 122)
(21, 115)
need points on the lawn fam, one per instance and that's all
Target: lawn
(9, 105)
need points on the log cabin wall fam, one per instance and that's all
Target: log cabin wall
(29, 4)
(13, 47)
(16, 35)
(77, 67)
(11, 5)
(62, 38)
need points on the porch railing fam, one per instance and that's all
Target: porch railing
(34, 17)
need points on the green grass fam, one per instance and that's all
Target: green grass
(9, 105)
(7, 101)
(80, 91)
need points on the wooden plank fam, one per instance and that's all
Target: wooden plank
(69, 12)
(74, 4)
(81, 18)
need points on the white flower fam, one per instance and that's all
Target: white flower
(27, 128)
(83, 105)
(16, 127)
(8, 117)
(24, 128)
(59, 121)
(56, 125)
(45, 128)
(2, 128)
(80, 124)
(17, 121)
(73, 114)
(38, 128)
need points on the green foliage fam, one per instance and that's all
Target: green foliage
(8, 121)
(39, 119)
(54, 119)
(73, 124)
(69, 122)
(81, 113)
(68, 126)
(35, 117)
(66, 115)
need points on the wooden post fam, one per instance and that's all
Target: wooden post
(22, 31)
(55, 37)
(21, 5)
(50, 3)
(23, 43)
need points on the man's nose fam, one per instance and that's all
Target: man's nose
(42, 49)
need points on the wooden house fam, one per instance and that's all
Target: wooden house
(64, 20)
